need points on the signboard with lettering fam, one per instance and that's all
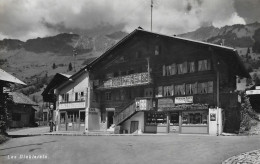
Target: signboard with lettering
(165, 102)
(184, 100)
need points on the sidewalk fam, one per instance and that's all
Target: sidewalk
(29, 131)
(252, 157)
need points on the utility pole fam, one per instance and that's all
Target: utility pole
(151, 15)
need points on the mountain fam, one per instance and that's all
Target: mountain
(241, 36)
(36, 61)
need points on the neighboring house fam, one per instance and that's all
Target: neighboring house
(5, 80)
(254, 96)
(22, 110)
(154, 83)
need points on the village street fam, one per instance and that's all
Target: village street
(173, 148)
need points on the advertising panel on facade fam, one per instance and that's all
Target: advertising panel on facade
(184, 100)
(141, 104)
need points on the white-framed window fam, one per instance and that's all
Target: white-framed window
(159, 91)
(76, 96)
(182, 68)
(169, 69)
(205, 87)
(65, 97)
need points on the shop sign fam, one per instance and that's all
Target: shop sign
(92, 110)
(212, 116)
(253, 92)
(184, 100)
(167, 102)
(110, 109)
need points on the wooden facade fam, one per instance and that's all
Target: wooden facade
(173, 69)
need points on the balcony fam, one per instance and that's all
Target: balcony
(72, 105)
(126, 81)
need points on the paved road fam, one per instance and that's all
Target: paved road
(177, 149)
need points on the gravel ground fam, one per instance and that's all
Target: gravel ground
(179, 149)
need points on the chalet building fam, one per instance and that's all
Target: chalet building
(154, 83)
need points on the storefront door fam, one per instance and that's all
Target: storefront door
(174, 122)
(73, 120)
(110, 116)
(82, 120)
(63, 121)
(134, 126)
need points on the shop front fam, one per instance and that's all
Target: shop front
(71, 120)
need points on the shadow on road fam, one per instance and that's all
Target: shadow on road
(27, 145)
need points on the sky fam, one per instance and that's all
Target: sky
(26, 19)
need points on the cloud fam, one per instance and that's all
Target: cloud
(25, 19)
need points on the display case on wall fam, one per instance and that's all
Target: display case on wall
(159, 118)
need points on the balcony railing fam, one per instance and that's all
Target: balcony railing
(126, 81)
(72, 105)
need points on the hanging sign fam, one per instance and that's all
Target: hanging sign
(184, 100)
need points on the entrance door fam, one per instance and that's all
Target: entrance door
(134, 126)
(63, 121)
(110, 120)
(82, 120)
(174, 122)
(73, 120)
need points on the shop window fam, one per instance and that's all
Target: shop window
(108, 96)
(179, 89)
(168, 91)
(62, 118)
(191, 66)
(174, 119)
(159, 91)
(191, 89)
(198, 118)
(16, 116)
(204, 65)
(156, 118)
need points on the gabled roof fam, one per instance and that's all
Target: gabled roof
(58, 79)
(242, 72)
(19, 98)
(6, 77)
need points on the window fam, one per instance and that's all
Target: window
(210, 87)
(189, 118)
(159, 91)
(76, 96)
(169, 70)
(156, 118)
(157, 50)
(191, 89)
(205, 87)
(65, 97)
(16, 116)
(179, 89)
(204, 65)
(168, 91)
(191, 67)
(82, 97)
(182, 68)
(108, 96)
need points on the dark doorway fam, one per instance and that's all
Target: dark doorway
(134, 126)
(110, 121)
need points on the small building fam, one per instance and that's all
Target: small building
(22, 110)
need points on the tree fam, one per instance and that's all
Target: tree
(54, 66)
(70, 67)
